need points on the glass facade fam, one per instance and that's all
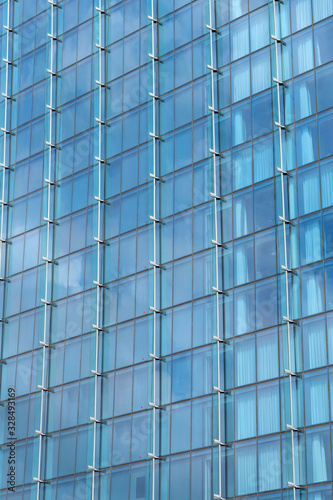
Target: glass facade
(166, 249)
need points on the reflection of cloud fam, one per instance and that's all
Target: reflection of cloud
(74, 277)
(126, 296)
(117, 22)
(131, 52)
(76, 273)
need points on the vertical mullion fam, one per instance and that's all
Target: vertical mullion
(155, 61)
(99, 239)
(218, 288)
(285, 268)
(46, 301)
(5, 165)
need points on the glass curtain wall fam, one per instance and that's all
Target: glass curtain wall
(150, 204)
(185, 279)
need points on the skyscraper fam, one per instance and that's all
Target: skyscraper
(166, 249)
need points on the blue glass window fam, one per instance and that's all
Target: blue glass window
(202, 372)
(183, 235)
(126, 298)
(261, 114)
(310, 240)
(182, 281)
(269, 469)
(116, 28)
(244, 309)
(130, 129)
(240, 80)
(304, 95)
(128, 211)
(242, 213)
(70, 14)
(329, 284)
(323, 52)
(181, 329)
(121, 449)
(125, 340)
(266, 300)
(183, 147)
(245, 413)
(259, 29)
(239, 36)
(306, 142)
(243, 261)
(308, 190)
(139, 444)
(316, 397)
(140, 387)
(267, 355)
(181, 377)
(328, 233)
(180, 476)
(67, 452)
(312, 287)
(182, 26)
(132, 17)
(264, 210)
(268, 408)
(323, 80)
(180, 427)
(127, 253)
(202, 270)
(201, 422)
(321, 10)
(318, 455)
(183, 65)
(263, 158)
(200, 470)
(245, 459)
(260, 71)
(265, 252)
(300, 14)
(241, 123)
(303, 52)
(24, 106)
(242, 166)
(325, 133)
(245, 372)
(123, 391)
(314, 343)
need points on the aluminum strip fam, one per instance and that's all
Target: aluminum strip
(154, 94)
(100, 202)
(278, 82)
(48, 258)
(217, 288)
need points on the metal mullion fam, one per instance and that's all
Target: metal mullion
(100, 199)
(48, 258)
(4, 165)
(284, 222)
(216, 243)
(155, 61)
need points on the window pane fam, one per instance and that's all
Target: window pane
(316, 397)
(245, 459)
(267, 355)
(314, 343)
(312, 290)
(245, 413)
(302, 52)
(318, 462)
(245, 372)
(180, 427)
